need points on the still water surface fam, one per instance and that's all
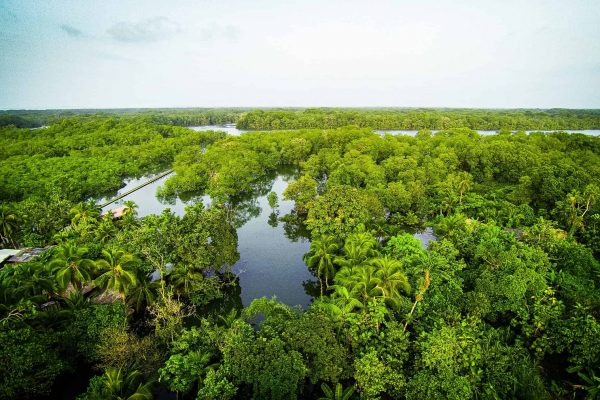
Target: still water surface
(230, 129)
(270, 263)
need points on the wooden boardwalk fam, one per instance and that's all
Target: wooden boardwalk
(119, 197)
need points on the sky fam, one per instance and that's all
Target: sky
(346, 53)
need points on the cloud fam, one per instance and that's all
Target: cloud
(145, 31)
(216, 32)
(71, 31)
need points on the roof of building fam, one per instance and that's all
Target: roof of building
(117, 212)
(27, 254)
(7, 253)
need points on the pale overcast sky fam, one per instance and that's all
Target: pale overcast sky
(102, 54)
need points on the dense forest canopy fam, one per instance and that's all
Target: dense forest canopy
(296, 118)
(172, 116)
(414, 119)
(505, 304)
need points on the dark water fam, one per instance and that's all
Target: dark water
(270, 263)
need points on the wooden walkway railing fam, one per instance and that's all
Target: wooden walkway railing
(119, 197)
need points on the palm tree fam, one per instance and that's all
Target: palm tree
(363, 239)
(117, 275)
(392, 279)
(340, 305)
(121, 386)
(76, 301)
(105, 230)
(130, 207)
(367, 284)
(70, 266)
(320, 258)
(339, 394)
(84, 213)
(463, 185)
(354, 254)
(143, 294)
(32, 280)
(362, 283)
(9, 224)
(184, 278)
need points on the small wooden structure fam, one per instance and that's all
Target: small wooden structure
(14, 256)
(5, 254)
(117, 212)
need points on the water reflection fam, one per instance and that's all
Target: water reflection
(231, 129)
(271, 252)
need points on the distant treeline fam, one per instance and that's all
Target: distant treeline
(327, 118)
(169, 116)
(413, 119)
(88, 156)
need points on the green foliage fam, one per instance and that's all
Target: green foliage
(118, 384)
(419, 119)
(341, 210)
(89, 324)
(272, 199)
(117, 271)
(82, 157)
(339, 394)
(216, 387)
(29, 363)
(504, 304)
(302, 191)
(281, 371)
(320, 258)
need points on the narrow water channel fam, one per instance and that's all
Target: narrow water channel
(231, 129)
(270, 263)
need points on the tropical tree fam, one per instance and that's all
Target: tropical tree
(9, 224)
(463, 182)
(392, 279)
(105, 230)
(363, 283)
(143, 294)
(359, 247)
(320, 258)
(117, 384)
(339, 306)
(86, 213)
(577, 205)
(130, 207)
(185, 278)
(29, 280)
(339, 394)
(70, 266)
(118, 275)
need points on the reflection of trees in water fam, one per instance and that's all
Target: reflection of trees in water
(232, 299)
(312, 288)
(273, 219)
(186, 197)
(245, 206)
(243, 211)
(289, 173)
(294, 228)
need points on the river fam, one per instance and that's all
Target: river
(270, 263)
(231, 129)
